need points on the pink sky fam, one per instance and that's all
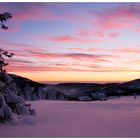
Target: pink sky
(79, 42)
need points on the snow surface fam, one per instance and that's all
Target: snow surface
(113, 118)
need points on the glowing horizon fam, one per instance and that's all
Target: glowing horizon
(73, 42)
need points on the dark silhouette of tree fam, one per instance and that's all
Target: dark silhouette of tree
(3, 18)
(4, 54)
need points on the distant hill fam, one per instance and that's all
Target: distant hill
(80, 89)
(32, 90)
(126, 88)
(75, 90)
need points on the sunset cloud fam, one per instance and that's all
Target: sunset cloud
(113, 34)
(92, 32)
(76, 56)
(91, 49)
(73, 62)
(38, 11)
(94, 68)
(121, 17)
(67, 39)
(127, 50)
(135, 50)
(73, 39)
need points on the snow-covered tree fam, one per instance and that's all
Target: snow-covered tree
(10, 100)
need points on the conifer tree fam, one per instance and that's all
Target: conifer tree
(3, 18)
(10, 101)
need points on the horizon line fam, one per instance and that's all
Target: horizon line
(90, 82)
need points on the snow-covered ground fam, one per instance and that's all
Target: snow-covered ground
(113, 118)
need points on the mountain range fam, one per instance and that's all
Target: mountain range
(31, 90)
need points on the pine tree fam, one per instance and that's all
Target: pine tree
(3, 18)
(10, 101)
(4, 54)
